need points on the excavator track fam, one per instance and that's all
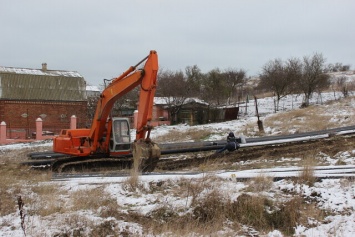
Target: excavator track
(65, 163)
(80, 164)
(74, 164)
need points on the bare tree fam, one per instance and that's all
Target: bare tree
(128, 101)
(342, 86)
(345, 68)
(337, 67)
(173, 88)
(234, 78)
(293, 73)
(194, 80)
(215, 88)
(274, 77)
(313, 77)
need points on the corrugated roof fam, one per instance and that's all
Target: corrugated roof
(35, 84)
(39, 72)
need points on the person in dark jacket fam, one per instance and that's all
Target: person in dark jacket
(231, 145)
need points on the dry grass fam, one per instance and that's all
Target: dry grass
(347, 182)
(251, 129)
(193, 134)
(91, 199)
(190, 189)
(45, 200)
(106, 228)
(211, 209)
(260, 183)
(204, 213)
(214, 210)
(250, 210)
(7, 201)
(14, 179)
(263, 214)
(306, 176)
(208, 215)
(287, 215)
(312, 118)
(298, 121)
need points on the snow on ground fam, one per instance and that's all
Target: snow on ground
(332, 195)
(14, 146)
(335, 196)
(265, 108)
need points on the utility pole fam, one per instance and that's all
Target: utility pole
(260, 123)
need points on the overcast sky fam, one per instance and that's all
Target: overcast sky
(101, 39)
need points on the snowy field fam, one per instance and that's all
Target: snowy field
(333, 196)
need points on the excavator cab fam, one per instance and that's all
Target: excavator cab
(120, 139)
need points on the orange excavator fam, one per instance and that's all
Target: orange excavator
(109, 138)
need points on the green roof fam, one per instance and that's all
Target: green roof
(36, 84)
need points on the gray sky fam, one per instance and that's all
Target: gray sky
(101, 39)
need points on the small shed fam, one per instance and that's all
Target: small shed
(192, 110)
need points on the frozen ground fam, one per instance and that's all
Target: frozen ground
(334, 196)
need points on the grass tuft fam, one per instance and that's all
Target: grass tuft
(307, 176)
(260, 183)
(93, 199)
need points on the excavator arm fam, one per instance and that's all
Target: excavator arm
(147, 79)
(86, 142)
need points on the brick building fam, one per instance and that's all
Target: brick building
(52, 95)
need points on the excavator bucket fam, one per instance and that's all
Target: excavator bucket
(145, 155)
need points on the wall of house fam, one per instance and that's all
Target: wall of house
(159, 117)
(159, 113)
(20, 116)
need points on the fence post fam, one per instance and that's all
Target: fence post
(39, 124)
(73, 120)
(2, 132)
